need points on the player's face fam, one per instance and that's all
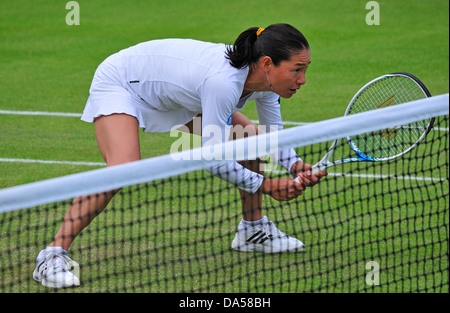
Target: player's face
(289, 76)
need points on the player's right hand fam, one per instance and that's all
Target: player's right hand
(282, 189)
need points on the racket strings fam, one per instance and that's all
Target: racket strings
(386, 143)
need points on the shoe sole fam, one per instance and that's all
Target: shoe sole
(58, 285)
(45, 283)
(246, 247)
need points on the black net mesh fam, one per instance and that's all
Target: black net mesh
(367, 227)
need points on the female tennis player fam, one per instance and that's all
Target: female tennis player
(158, 84)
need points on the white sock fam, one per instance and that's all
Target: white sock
(42, 255)
(244, 225)
(252, 223)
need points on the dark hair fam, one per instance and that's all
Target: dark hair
(277, 41)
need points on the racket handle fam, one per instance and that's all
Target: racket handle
(314, 169)
(317, 168)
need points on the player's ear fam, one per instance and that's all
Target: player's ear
(266, 63)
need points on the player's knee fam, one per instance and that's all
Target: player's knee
(253, 130)
(240, 131)
(121, 159)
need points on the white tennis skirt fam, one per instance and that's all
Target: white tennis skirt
(109, 95)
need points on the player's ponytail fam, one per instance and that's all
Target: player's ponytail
(278, 41)
(244, 52)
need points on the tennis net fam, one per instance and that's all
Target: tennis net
(367, 227)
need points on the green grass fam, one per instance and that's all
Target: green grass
(47, 65)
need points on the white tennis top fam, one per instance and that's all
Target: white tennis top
(173, 80)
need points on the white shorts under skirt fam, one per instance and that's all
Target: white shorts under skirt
(108, 95)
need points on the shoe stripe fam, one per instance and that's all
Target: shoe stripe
(263, 238)
(254, 235)
(259, 237)
(39, 266)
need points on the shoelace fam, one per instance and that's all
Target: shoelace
(60, 263)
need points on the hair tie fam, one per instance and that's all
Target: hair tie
(259, 31)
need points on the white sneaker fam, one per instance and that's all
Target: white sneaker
(264, 237)
(56, 270)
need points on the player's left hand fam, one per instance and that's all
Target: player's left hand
(303, 172)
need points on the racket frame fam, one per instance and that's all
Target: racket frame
(325, 161)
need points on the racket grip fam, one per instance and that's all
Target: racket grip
(317, 168)
(314, 169)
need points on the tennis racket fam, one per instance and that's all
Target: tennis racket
(385, 144)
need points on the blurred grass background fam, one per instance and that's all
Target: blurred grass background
(47, 65)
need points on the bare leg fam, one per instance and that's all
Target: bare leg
(242, 127)
(251, 203)
(118, 141)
